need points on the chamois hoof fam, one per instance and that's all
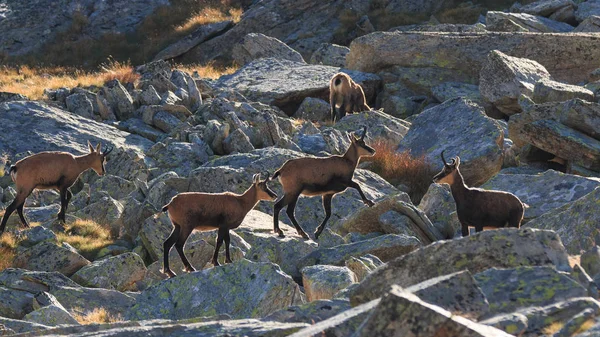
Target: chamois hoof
(216, 263)
(280, 233)
(369, 203)
(169, 273)
(228, 261)
(304, 235)
(190, 269)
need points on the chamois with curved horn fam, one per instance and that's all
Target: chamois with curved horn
(51, 170)
(477, 207)
(326, 177)
(208, 211)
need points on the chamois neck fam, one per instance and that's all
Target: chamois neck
(352, 155)
(458, 188)
(84, 162)
(249, 198)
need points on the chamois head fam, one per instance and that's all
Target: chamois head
(98, 158)
(449, 172)
(263, 191)
(362, 148)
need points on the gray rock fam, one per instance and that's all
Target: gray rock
(150, 96)
(547, 90)
(255, 46)
(14, 303)
(513, 22)
(313, 109)
(17, 326)
(286, 84)
(32, 236)
(215, 133)
(450, 90)
(465, 54)
(528, 286)
(185, 81)
(543, 192)
(440, 207)
(360, 267)
(322, 282)
(254, 290)
(80, 105)
(379, 125)
(502, 248)
(237, 142)
(47, 256)
(589, 25)
(9, 96)
(165, 121)
(119, 272)
(590, 261)
(34, 281)
(115, 186)
(504, 78)
(52, 315)
(414, 317)
(547, 8)
(312, 312)
(330, 55)
(203, 33)
(385, 247)
(105, 210)
(575, 222)
(180, 157)
(457, 293)
(461, 128)
(85, 300)
(514, 324)
(587, 9)
(119, 99)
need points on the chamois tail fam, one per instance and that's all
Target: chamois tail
(13, 173)
(275, 175)
(165, 208)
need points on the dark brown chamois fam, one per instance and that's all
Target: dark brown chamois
(208, 211)
(346, 96)
(477, 207)
(319, 176)
(51, 170)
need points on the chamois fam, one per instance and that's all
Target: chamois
(477, 207)
(51, 170)
(346, 96)
(207, 211)
(319, 176)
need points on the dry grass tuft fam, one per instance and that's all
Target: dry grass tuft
(401, 168)
(553, 328)
(8, 245)
(96, 316)
(122, 71)
(210, 14)
(87, 236)
(210, 70)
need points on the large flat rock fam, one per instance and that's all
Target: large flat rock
(569, 57)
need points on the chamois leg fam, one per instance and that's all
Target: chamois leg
(356, 186)
(220, 238)
(21, 215)
(63, 205)
(290, 212)
(283, 201)
(515, 217)
(341, 112)
(227, 240)
(167, 248)
(18, 202)
(327, 206)
(183, 236)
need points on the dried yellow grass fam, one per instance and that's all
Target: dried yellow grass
(8, 245)
(210, 70)
(87, 236)
(96, 316)
(208, 15)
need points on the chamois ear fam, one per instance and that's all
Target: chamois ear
(98, 147)
(457, 161)
(90, 147)
(255, 178)
(351, 137)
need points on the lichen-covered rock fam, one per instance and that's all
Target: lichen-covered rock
(385, 247)
(504, 78)
(34, 281)
(540, 318)
(32, 236)
(461, 128)
(587, 9)
(80, 105)
(15, 303)
(543, 192)
(286, 84)
(85, 300)
(361, 266)
(48, 256)
(18, 326)
(514, 323)
(547, 90)
(119, 272)
(51, 315)
(313, 109)
(546, 8)
(116, 186)
(457, 293)
(312, 312)
(330, 55)
(379, 125)
(184, 81)
(450, 90)
(502, 248)
(576, 223)
(119, 99)
(590, 261)
(255, 46)
(105, 210)
(284, 252)
(322, 282)
(440, 207)
(401, 313)
(510, 289)
(198, 252)
(240, 289)
(180, 157)
(521, 22)
(368, 220)
(237, 142)
(589, 25)
(149, 96)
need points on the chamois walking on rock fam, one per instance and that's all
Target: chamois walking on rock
(477, 207)
(346, 96)
(51, 170)
(208, 211)
(319, 176)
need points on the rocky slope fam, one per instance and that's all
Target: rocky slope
(514, 95)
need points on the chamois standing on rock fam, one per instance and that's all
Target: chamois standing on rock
(477, 207)
(346, 96)
(51, 170)
(319, 176)
(208, 211)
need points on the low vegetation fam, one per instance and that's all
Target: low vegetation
(8, 246)
(401, 168)
(87, 236)
(96, 316)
